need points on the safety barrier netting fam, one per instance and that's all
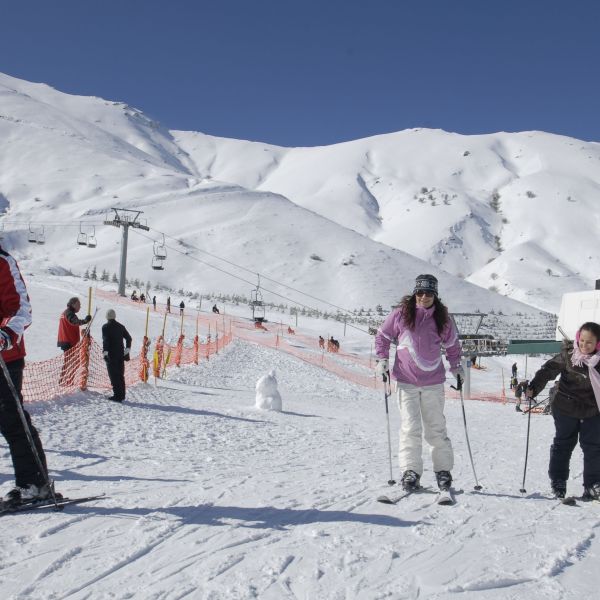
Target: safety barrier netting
(83, 367)
(73, 371)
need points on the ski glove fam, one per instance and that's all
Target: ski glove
(87, 319)
(382, 366)
(105, 354)
(5, 341)
(126, 354)
(458, 372)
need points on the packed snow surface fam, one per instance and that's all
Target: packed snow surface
(210, 497)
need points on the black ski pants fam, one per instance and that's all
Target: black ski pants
(23, 459)
(568, 431)
(116, 373)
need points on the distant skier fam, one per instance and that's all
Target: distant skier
(520, 389)
(154, 302)
(422, 328)
(575, 409)
(215, 309)
(15, 316)
(181, 308)
(514, 370)
(168, 304)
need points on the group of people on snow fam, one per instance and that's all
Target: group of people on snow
(26, 449)
(423, 330)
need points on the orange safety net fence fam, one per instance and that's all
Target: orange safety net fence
(83, 367)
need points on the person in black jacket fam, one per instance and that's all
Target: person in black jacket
(113, 334)
(575, 409)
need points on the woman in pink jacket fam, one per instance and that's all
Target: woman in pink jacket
(422, 329)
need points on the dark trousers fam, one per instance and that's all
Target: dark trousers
(11, 427)
(116, 373)
(568, 431)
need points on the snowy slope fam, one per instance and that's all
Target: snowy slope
(211, 498)
(67, 160)
(477, 206)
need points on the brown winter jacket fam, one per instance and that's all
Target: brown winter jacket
(575, 396)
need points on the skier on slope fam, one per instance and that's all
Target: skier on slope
(15, 317)
(422, 328)
(575, 409)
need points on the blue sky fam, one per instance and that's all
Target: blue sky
(308, 73)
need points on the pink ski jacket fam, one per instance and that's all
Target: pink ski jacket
(419, 352)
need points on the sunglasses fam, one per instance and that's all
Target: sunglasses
(424, 293)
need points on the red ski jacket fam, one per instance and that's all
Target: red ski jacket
(15, 308)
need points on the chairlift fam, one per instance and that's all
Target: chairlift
(82, 238)
(256, 303)
(158, 263)
(160, 250)
(91, 239)
(40, 238)
(32, 236)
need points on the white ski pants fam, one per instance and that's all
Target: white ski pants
(422, 415)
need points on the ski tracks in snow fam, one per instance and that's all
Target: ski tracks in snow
(211, 498)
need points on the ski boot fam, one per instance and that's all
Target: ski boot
(559, 488)
(410, 481)
(591, 492)
(444, 480)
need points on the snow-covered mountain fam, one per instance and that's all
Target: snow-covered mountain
(351, 223)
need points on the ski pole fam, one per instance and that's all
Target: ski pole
(387, 392)
(34, 451)
(462, 404)
(523, 490)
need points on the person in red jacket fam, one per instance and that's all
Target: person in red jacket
(69, 324)
(69, 335)
(31, 483)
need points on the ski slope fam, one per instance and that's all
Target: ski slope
(212, 498)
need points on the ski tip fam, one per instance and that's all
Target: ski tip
(569, 501)
(384, 500)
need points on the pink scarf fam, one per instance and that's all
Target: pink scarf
(590, 361)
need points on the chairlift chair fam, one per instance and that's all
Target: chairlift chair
(258, 307)
(158, 263)
(82, 239)
(40, 238)
(32, 236)
(160, 250)
(91, 239)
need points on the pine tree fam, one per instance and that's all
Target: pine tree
(94, 274)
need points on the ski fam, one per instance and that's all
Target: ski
(394, 499)
(445, 498)
(569, 501)
(6, 509)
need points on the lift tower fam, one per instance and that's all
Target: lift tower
(125, 218)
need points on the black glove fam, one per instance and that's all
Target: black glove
(126, 354)
(87, 319)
